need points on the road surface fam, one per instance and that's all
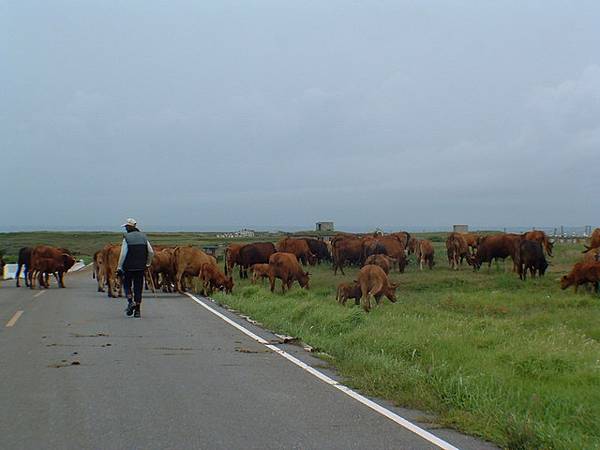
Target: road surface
(77, 373)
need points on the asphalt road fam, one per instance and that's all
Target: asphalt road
(75, 373)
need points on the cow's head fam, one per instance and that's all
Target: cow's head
(475, 261)
(549, 246)
(304, 279)
(390, 292)
(312, 259)
(566, 281)
(68, 261)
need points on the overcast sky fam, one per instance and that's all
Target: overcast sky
(216, 114)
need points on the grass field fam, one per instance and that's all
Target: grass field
(515, 362)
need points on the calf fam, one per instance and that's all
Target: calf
(259, 271)
(424, 253)
(582, 273)
(383, 261)
(348, 290)
(374, 282)
(212, 278)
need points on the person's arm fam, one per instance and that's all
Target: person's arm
(150, 254)
(123, 255)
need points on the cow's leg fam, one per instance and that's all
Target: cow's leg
(18, 274)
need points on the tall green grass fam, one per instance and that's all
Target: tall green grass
(511, 361)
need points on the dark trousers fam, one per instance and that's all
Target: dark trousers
(135, 277)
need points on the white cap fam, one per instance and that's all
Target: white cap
(131, 222)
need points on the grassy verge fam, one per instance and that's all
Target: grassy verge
(516, 363)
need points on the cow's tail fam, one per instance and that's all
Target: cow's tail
(225, 260)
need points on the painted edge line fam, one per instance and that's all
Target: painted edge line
(341, 387)
(14, 318)
(39, 293)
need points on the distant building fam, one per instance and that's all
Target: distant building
(461, 228)
(244, 233)
(324, 226)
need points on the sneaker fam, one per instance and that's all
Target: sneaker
(136, 312)
(130, 308)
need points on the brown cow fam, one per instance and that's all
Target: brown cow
(98, 270)
(472, 241)
(539, 236)
(497, 246)
(110, 259)
(232, 255)
(346, 291)
(47, 260)
(256, 253)
(298, 247)
(383, 261)
(594, 241)
(162, 269)
(395, 248)
(259, 271)
(592, 255)
(346, 250)
(286, 267)
(403, 237)
(212, 278)
(319, 249)
(188, 262)
(374, 282)
(457, 249)
(582, 273)
(424, 253)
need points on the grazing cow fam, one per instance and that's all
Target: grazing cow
(346, 250)
(46, 260)
(259, 271)
(594, 241)
(298, 247)
(346, 291)
(23, 260)
(374, 282)
(188, 262)
(232, 256)
(592, 255)
(395, 248)
(383, 261)
(424, 253)
(256, 253)
(403, 237)
(531, 257)
(162, 270)
(319, 249)
(212, 278)
(458, 250)
(98, 272)
(539, 236)
(582, 273)
(286, 267)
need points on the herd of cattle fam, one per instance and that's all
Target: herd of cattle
(173, 268)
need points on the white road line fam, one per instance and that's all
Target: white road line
(14, 318)
(38, 294)
(343, 388)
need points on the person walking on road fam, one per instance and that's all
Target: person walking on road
(136, 256)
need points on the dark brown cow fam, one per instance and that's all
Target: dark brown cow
(212, 278)
(49, 260)
(298, 247)
(259, 271)
(232, 256)
(319, 249)
(582, 273)
(531, 257)
(256, 253)
(383, 261)
(497, 246)
(346, 250)
(539, 236)
(346, 291)
(457, 249)
(23, 260)
(375, 283)
(286, 267)
(188, 262)
(594, 241)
